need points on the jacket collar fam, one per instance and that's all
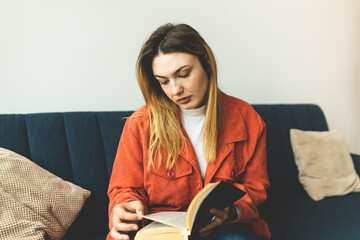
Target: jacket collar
(233, 126)
(232, 130)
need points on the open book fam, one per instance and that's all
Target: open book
(180, 225)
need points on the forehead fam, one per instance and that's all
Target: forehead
(166, 64)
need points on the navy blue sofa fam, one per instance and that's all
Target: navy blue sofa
(80, 147)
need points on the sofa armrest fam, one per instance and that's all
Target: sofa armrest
(356, 159)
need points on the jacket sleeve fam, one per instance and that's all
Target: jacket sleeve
(254, 180)
(127, 181)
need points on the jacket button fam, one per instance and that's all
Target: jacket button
(199, 187)
(233, 173)
(170, 174)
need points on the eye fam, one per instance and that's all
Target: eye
(185, 75)
(164, 82)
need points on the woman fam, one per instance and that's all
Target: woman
(187, 135)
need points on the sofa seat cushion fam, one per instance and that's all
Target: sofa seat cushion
(299, 217)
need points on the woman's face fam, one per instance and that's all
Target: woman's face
(182, 78)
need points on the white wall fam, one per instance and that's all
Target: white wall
(79, 55)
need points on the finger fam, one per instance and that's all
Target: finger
(129, 208)
(118, 236)
(206, 234)
(128, 216)
(117, 219)
(126, 212)
(125, 227)
(216, 222)
(138, 207)
(122, 216)
(218, 213)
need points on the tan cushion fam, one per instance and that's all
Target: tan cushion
(34, 203)
(324, 163)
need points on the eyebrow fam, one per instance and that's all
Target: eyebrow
(174, 72)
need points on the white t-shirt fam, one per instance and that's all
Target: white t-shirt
(193, 121)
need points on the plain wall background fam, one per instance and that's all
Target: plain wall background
(79, 55)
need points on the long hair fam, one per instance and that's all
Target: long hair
(166, 136)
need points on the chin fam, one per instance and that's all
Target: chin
(190, 106)
(186, 107)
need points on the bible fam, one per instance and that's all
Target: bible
(178, 225)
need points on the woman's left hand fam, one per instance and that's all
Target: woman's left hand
(220, 217)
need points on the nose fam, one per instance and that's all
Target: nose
(176, 88)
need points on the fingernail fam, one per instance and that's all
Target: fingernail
(134, 227)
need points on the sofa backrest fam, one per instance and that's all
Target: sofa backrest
(279, 119)
(80, 147)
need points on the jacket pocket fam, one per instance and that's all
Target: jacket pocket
(231, 170)
(170, 187)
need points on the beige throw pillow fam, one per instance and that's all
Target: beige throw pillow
(34, 203)
(324, 163)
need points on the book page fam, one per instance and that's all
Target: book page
(155, 226)
(159, 231)
(171, 218)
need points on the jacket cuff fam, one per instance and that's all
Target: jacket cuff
(237, 211)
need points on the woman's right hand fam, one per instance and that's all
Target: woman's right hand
(125, 218)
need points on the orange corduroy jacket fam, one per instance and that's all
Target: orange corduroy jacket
(241, 160)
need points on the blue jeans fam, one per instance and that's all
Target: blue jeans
(231, 232)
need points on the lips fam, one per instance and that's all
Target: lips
(184, 100)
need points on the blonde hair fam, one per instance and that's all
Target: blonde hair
(166, 136)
